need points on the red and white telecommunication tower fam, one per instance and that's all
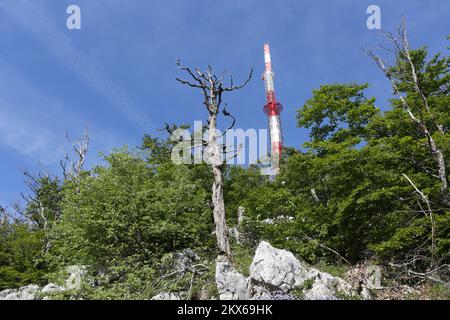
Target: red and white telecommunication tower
(272, 109)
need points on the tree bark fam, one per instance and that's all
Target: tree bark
(214, 158)
(442, 173)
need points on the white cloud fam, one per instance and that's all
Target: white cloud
(26, 137)
(34, 124)
(28, 118)
(32, 17)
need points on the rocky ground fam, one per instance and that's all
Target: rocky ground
(278, 274)
(274, 274)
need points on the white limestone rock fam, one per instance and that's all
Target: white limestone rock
(231, 284)
(23, 293)
(52, 288)
(276, 268)
(166, 296)
(328, 287)
(373, 277)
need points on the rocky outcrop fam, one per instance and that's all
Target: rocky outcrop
(276, 269)
(327, 287)
(373, 277)
(35, 292)
(23, 293)
(231, 284)
(52, 288)
(276, 274)
(365, 278)
(277, 295)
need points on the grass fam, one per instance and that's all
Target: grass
(298, 291)
(242, 258)
(440, 292)
(336, 270)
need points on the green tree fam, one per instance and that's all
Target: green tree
(130, 211)
(20, 246)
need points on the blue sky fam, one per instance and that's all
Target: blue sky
(117, 74)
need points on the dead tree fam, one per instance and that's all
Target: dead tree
(213, 88)
(74, 168)
(42, 207)
(407, 72)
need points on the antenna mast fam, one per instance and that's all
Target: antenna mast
(272, 109)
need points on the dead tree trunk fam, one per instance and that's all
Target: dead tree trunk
(213, 87)
(214, 156)
(74, 169)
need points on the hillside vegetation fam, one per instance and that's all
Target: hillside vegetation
(369, 185)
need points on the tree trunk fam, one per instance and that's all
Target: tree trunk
(440, 160)
(214, 159)
(441, 170)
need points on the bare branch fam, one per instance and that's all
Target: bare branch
(232, 87)
(430, 212)
(74, 169)
(234, 153)
(228, 114)
(188, 70)
(167, 128)
(189, 83)
(427, 275)
(325, 247)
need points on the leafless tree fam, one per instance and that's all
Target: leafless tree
(41, 206)
(74, 168)
(213, 88)
(419, 114)
(37, 213)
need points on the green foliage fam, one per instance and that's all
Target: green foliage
(43, 206)
(242, 258)
(308, 284)
(347, 191)
(23, 242)
(20, 248)
(127, 209)
(239, 182)
(440, 292)
(337, 113)
(336, 269)
(130, 280)
(125, 216)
